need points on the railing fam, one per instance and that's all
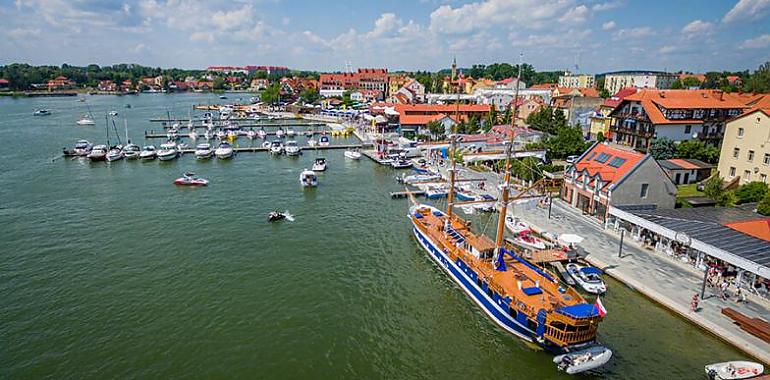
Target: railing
(634, 131)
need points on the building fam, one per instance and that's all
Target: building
(416, 115)
(510, 84)
(577, 80)
(577, 109)
(686, 171)
(364, 79)
(601, 120)
(678, 115)
(60, 83)
(367, 96)
(395, 82)
(107, 85)
(246, 70)
(4, 83)
(259, 84)
(746, 146)
(616, 81)
(527, 106)
(606, 176)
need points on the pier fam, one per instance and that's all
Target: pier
(255, 149)
(164, 135)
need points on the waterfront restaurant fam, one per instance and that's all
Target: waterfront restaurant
(732, 238)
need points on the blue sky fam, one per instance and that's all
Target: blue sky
(595, 35)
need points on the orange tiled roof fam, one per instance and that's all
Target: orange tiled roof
(590, 92)
(682, 99)
(419, 119)
(758, 228)
(544, 86)
(440, 108)
(606, 172)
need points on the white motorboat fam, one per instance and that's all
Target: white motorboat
(527, 240)
(323, 140)
(42, 112)
(266, 145)
(193, 135)
(319, 165)
(131, 151)
(583, 360)
(487, 206)
(276, 147)
(203, 151)
(98, 153)
(261, 133)
(113, 113)
(308, 178)
(589, 278)
(85, 120)
(435, 191)
(251, 134)
(221, 135)
(115, 154)
(312, 143)
(189, 179)
(224, 151)
(82, 147)
(290, 132)
(167, 151)
(309, 133)
(148, 153)
(292, 149)
(401, 164)
(353, 154)
(516, 225)
(280, 133)
(417, 178)
(734, 370)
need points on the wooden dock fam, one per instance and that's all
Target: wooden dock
(255, 149)
(164, 135)
(252, 124)
(404, 194)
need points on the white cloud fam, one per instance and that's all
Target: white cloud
(759, 42)
(235, 19)
(23, 32)
(606, 6)
(634, 33)
(139, 48)
(485, 14)
(202, 36)
(698, 27)
(385, 25)
(575, 15)
(667, 49)
(609, 25)
(747, 10)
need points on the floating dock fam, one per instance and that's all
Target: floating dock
(302, 148)
(164, 135)
(404, 194)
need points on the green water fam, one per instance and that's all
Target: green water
(110, 271)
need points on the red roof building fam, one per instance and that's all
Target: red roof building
(60, 83)
(363, 79)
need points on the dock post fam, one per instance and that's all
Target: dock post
(550, 203)
(620, 248)
(703, 286)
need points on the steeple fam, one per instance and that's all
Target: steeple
(454, 67)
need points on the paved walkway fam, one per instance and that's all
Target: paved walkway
(657, 276)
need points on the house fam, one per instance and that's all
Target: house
(577, 80)
(419, 123)
(523, 135)
(699, 77)
(746, 146)
(259, 84)
(526, 106)
(510, 83)
(107, 85)
(464, 111)
(178, 86)
(60, 83)
(4, 84)
(601, 120)
(606, 175)
(545, 86)
(127, 85)
(686, 171)
(577, 109)
(615, 81)
(395, 82)
(678, 115)
(734, 80)
(367, 96)
(364, 79)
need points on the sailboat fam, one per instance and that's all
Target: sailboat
(520, 297)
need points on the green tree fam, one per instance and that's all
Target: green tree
(272, 94)
(751, 192)
(491, 119)
(677, 85)
(697, 150)
(604, 93)
(436, 129)
(759, 81)
(219, 83)
(567, 141)
(764, 205)
(663, 149)
(714, 189)
(600, 137)
(688, 82)
(309, 95)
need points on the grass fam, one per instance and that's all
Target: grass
(686, 191)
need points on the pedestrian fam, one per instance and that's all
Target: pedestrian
(723, 290)
(740, 295)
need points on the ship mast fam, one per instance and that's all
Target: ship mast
(499, 237)
(453, 153)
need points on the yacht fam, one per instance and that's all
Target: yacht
(189, 179)
(279, 133)
(98, 153)
(82, 148)
(276, 147)
(203, 151)
(308, 178)
(261, 133)
(131, 151)
(323, 140)
(224, 151)
(589, 278)
(42, 112)
(401, 164)
(353, 154)
(115, 154)
(148, 152)
(527, 240)
(251, 134)
(290, 132)
(292, 149)
(167, 151)
(85, 120)
(319, 165)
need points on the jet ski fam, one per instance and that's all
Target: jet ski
(275, 216)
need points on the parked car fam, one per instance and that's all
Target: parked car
(571, 159)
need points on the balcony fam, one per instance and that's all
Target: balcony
(641, 116)
(636, 131)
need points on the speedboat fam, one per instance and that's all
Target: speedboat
(266, 145)
(148, 152)
(251, 134)
(319, 165)
(203, 151)
(734, 370)
(131, 151)
(312, 143)
(221, 135)
(584, 360)
(464, 194)
(589, 278)
(261, 133)
(323, 140)
(308, 178)
(85, 120)
(290, 132)
(113, 113)
(417, 178)
(115, 153)
(436, 192)
(82, 148)
(516, 225)
(275, 216)
(401, 164)
(353, 154)
(526, 240)
(193, 135)
(276, 147)
(98, 153)
(42, 112)
(222, 97)
(224, 151)
(279, 133)
(167, 151)
(292, 149)
(189, 179)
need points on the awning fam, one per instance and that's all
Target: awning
(591, 270)
(581, 310)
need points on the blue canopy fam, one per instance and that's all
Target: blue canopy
(591, 270)
(531, 291)
(581, 310)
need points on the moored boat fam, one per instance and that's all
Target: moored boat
(516, 225)
(292, 149)
(115, 153)
(353, 154)
(290, 132)
(98, 153)
(82, 148)
(583, 360)
(435, 191)
(224, 151)
(589, 278)
(734, 370)
(527, 240)
(261, 133)
(131, 151)
(167, 151)
(203, 151)
(276, 147)
(323, 140)
(280, 133)
(148, 153)
(308, 178)
(319, 165)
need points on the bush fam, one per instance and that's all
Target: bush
(751, 192)
(764, 206)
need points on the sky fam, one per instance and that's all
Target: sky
(591, 36)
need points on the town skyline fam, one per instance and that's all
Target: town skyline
(581, 36)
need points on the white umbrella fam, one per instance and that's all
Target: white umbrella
(570, 239)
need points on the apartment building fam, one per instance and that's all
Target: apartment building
(577, 80)
(618, 80)
(746, 146)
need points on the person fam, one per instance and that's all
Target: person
(695, 301)
(723, 290)
(740, 295)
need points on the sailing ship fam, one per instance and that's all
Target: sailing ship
(520, 297)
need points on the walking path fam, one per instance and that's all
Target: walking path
(657, 276)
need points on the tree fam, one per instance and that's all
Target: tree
(604, 93)
(677, 85)
(751, 192)
(688, 82)
(663, 149)
(697, 150)
(491, 119)
(567, 141)
(714, 190)
(547, 120)
(760, 80)
(600, 137)
(309, 95)
(764, 206)
(272, 94)
(436, 129)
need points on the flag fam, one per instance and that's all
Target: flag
(600, 307)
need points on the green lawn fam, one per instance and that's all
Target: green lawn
(686, 191)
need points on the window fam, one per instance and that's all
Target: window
(602, 158)
(763, 178)
(732, 171)
(766, 161)
(747, 175)
(751, 155)
(617, 162)
(643, 193)
(740, 132)
(590, 156)
(687, 129)
(736, 152)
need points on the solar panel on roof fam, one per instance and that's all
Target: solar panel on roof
(602, 158)
(590, 156)
(617, 162)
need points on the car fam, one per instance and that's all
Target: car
(571, 159)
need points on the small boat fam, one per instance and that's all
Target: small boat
(292, 149)
(308, 178)
(85, 120)
(251, 134)
(516, 225)
(275, 216)
(222, 97)
(266, 145)
(148, 153)
(526, 240)
(98, 153)
(312, 143)
(224, 151)
(42, 112)
(193, 135)
(127, 106)
(589, 278)
(290, 132)
(113, 113)
(115, 154)
(167, 151)
(417, 178)
(221, 135)
(279, 133)
(276, 147)
(309, 133)
(189, 179)
(261, 133)
(583, 360)
(82, 148)
(323, 140)
(319, 165)
(734, 370)
(353, 154)
(435, 192)
(131, 151)
(464, 194)
(207, 135)
(401, 164)
(485, 207)
(203, 151)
